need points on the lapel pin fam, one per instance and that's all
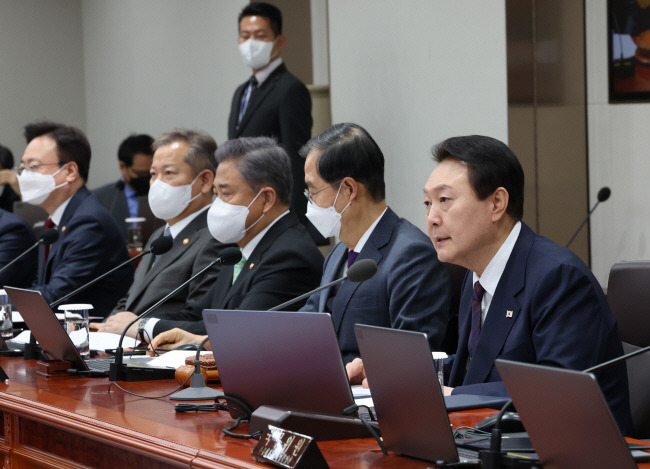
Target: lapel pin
(62, 229)
(508, 313)
(186, 240)
(250, 267)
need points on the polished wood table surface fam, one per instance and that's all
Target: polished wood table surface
(78, 422)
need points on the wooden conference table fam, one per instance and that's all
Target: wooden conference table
(76, 422)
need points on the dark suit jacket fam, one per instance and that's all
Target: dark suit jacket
(410, 290)
(558, 317)
(285, 264)
(194, 248)
(89, 245)
(279, 108)
(16, 236)
(112, 197)
(7, 199)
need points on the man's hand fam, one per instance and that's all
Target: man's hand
(446, 390)
(117, 323)
(8, 176)
(356, 372)
(173, 338)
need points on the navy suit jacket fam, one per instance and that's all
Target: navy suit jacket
(90, 244)
(285, 264)
(16, 236)
(279, 108)
(411, 289)
(547, 309)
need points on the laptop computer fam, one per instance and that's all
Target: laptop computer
(408, 400)
(566, 416)
(52, 337)
(282, 359)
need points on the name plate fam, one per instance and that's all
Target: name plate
(289, 450)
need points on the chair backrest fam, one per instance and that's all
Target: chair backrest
(628, 294)
(638, 376)
(34, 215)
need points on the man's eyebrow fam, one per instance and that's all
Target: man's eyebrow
(438, 188)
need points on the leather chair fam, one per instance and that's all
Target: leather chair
(628, 294)
(638, 376)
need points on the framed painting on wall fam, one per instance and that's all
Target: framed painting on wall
(629, 50)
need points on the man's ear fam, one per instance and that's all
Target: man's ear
(500, 199)
(269, 199)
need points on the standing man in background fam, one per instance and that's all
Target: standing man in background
(273, 102)
(122, 198)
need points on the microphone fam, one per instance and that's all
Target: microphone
(47, 237)
(603, 195)
(616, 360)
(158, 247)
(117, 372)
(360, 271)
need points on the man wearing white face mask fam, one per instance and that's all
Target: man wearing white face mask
(279, 259)
(273, 102)
(344, 173)
(182, 174)
(53, 175)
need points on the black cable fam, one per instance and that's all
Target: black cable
(180, 408)
(149, 397)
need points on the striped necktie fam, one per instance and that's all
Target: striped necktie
(477, 297)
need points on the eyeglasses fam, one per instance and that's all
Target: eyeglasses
(310, 196)
(33, 167)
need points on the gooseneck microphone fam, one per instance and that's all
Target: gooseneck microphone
(118, 371)
(158, 247)
(360, 271)
(47, 237)
(603, 195)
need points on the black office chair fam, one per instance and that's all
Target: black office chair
(628, 294)
(638, 377)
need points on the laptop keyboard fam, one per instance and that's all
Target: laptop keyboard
(100, 364)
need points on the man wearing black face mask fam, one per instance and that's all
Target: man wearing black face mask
(124, 198)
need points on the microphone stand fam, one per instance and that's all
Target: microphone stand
(198, 390)
(309, 293)
(119, 371)
(30, 249)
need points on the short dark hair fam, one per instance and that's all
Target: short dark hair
(348, 150)
(261, 161)
(266, 10)
(71, 143)
(6, 158)
(133, 145)
(200, 156)
(490, 164)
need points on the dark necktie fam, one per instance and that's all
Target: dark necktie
(352, 256)
(252, 85)
(46, 249)
(477, 297)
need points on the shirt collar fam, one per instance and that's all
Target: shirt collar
(266, 71)
(494, 270)
(247, 250)
(362, 241)
(179, 226)
(58, 213)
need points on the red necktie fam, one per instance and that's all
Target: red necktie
(46, 249)
(477, 297)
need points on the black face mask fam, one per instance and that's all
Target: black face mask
(140, 185)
